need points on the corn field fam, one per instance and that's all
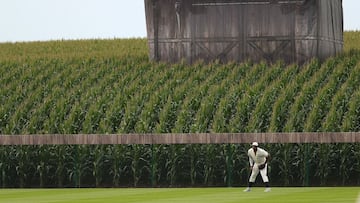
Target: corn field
(174, 165)
(110, 87)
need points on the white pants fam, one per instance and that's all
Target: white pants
(255, 171)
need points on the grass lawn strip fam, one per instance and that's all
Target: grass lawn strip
(188, 195)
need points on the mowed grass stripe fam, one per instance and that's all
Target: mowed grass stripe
(188, 195)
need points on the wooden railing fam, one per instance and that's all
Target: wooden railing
(180, 138)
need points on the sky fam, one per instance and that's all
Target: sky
(43, 20)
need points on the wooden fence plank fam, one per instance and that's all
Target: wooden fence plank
(180, 138)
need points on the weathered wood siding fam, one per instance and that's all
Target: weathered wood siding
(237, 30)
(202, 138)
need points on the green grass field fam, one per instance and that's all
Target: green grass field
(183, 195)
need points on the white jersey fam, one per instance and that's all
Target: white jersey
(259, 157)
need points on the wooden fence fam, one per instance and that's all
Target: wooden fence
(179, 138)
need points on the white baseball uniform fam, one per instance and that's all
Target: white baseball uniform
(256, 160)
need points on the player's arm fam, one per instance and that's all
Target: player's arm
(267, 158)
(251, 161)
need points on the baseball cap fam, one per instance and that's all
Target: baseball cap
(255, 144)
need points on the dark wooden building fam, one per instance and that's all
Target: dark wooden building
(237, 30)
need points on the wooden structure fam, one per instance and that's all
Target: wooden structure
(238, 30)
(195, 138)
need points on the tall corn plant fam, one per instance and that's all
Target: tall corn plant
(139, 162)
(117, 156)
(227, 122)
(14, 119)
(24, 167)
(218, 88)
(98, 163)
(303, 103)
(155, 164)
(152, 115)
(13, 93)
(49, 91)
(356, 160)
(83, 97)
(80, 165)
(282, 163)
(115, 114)
(168, 115)
(172, 166)
(240, 164)
(324, 154)
(204, 117)
(141, 98)
(192, 155)
(260, 120)
(44, 163)
(303, 162)
(209, 153)
(237, 119)
(351, 121)
(340, 102)
(116, 105)
(322, 101)
(227, 103)
(228, 150)
(102, 96)
(61, 155)
(193, 101)
(5, 165)
(287, 97)
(344, 162)
(252, 94)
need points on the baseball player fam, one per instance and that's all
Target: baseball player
(258, 159)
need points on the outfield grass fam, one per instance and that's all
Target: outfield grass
(183, 195)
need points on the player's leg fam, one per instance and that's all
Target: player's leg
(265, 178)
(254, 173)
